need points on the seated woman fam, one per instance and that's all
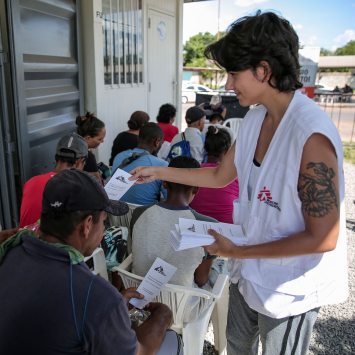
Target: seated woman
(165, 119)
(93, 131)
(216, 203)
(129, 139)
(216, 120)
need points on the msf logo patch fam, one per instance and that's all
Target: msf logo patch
(265, 196)
(160, 270)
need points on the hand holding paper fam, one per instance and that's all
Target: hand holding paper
(157, 277)
(118, 184)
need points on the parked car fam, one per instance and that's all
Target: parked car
(189, 91)
(321, 88)
(226, 93)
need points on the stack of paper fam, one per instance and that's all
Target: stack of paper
(190, 233)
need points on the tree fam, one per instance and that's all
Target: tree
(195, 46)
(325, 52)
(348, 49)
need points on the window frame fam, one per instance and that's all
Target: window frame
(138, 28)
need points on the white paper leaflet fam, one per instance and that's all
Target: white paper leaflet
(190, 233)
(155, 280)
(118, 185)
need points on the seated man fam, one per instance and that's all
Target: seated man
(150, 140)
(150, 228)
(51, 303)
(72, 151)
(215, 105)
(217, 120)
(195, 119)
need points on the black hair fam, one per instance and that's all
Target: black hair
(68, 160)
(218, 140)
(137, 120)
(89, 125)
(149, 132)
(63, 223)
(214, 116)
(262, 37)
(166, 112)
(182, 162)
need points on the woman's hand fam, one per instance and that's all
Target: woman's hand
(144, 174)
(130, 293)
(222, 246)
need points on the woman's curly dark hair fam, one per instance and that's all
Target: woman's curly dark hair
(89, 125)
(166, 112)
(262, 37)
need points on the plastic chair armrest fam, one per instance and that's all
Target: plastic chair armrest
(219, 285)
(127, 263)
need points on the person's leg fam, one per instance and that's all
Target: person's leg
(287, 336)
(172, 344)
(242, 326)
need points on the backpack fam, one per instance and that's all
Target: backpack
(180, 148)
(114, 245)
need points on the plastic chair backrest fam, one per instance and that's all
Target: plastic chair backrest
(99, 261)
(174, 296)
(234, 124)
(125, 220)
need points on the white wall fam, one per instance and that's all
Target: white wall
(114, 106)
(334, 79)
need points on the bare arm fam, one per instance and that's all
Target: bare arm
(97, 175)
(151, 333)
(224, 113)
(203, 272)
(218, 177)
(319, 192)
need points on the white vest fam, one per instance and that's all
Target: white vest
(285, 286)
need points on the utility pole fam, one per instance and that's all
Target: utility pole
(219, 11)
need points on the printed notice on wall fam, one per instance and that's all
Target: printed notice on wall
(118, 184)
(155, 280)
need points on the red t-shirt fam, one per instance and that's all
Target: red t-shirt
(216, 203)
(31, 206)
(170, 131)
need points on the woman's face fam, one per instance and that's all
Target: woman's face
(248, 87)
(94, 142)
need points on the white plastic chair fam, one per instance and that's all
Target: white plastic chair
(124, 221)
(176, 297)
(99, 260)
(234, 124)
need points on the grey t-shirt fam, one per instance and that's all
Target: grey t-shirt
(150, 228)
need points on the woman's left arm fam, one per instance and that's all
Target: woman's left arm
(318, 186)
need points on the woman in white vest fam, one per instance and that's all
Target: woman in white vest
(288, 158)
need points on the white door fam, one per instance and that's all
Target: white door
(161, 61)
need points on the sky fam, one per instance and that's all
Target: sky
(319, 23)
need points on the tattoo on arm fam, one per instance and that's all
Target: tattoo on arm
(317, 192)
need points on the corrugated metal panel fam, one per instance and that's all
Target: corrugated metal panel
(341, 61)
(48, 77)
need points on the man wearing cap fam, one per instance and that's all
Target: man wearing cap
(72, 151)
(51, 303)
(195, 119)
(215, 105)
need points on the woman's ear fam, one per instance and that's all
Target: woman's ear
(265, 71)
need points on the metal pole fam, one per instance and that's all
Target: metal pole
(341, 104)
(219, 11)
(352, 131)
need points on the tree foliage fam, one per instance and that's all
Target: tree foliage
(348, 49)
(325, 52)
(195, 46)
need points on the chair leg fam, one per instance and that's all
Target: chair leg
(219, 321)
(193, 334)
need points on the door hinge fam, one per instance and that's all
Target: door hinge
(10, 147)
(149, 22)
(150, 87)
(4, 58)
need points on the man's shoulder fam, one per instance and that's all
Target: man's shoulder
(202, 217)
(157, 161)
(39, 179)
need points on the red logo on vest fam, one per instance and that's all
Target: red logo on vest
(264, 195)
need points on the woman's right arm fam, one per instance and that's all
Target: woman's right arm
(218, 177)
